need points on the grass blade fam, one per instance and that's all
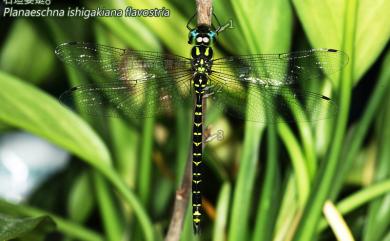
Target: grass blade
(323, 183)
(378, 218)
(219, 233)
(362, 128)
(360, 198)
(259, 39)
(298, 163)
(109, 215)
(337, 222)
(269, 201)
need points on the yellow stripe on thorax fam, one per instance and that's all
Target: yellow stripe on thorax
(197, 51)
(207, 52)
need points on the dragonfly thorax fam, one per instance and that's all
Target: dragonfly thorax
(202, 59)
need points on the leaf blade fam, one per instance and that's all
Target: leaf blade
(33, 229)
(28, 108)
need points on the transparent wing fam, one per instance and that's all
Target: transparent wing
(268, 103)
(282, 69)
(114, 64)
(133, 99)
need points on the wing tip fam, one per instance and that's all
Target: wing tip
(344, 58)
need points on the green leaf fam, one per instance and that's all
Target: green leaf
(232, 36)
(25, 229)
(387, 237)
(3, 127)
(131, 31)
(81, 201)
(26, 107)
(32, 60)
(125, 142)
(69, 228)
(323, 22)
(276, 23)
(171, 31)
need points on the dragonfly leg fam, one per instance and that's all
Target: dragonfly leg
(219, 135)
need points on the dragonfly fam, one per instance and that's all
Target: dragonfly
(254, 87)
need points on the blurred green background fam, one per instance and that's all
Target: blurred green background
(260, 182)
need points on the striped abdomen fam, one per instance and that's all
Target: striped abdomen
(200, 81)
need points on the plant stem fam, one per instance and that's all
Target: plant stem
(181, 203)
(204, 10)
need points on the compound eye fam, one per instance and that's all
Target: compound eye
(199, 39)
(206, 40)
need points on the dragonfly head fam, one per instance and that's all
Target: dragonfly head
(202, 35)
